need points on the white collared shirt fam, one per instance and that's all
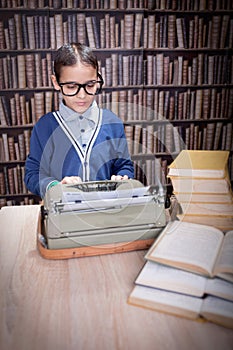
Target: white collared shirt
(81, 125)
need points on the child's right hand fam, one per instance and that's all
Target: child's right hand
(71, 180)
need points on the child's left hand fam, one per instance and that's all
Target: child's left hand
(119, 177)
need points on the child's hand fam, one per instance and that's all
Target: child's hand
(119, 177)
(71, 180)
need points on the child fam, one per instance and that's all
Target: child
(80, 142)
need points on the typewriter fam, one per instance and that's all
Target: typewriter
(102, 212)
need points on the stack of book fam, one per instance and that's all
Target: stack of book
(189, 273)
(201, 184)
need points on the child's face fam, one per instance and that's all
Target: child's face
(81, 74)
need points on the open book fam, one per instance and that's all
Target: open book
(213, 309)
(193, 247)
(175, 280)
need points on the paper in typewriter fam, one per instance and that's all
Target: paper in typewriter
(104, 199)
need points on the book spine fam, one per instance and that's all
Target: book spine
(26, 31)
(90, 32)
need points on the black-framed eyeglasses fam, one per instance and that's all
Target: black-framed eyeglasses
(92, 87)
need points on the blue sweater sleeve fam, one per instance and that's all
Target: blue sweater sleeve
(36, 172)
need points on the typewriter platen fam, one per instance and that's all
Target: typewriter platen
(102, 212)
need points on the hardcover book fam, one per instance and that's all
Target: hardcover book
(203, 164)
(200, 249)
(217, 310)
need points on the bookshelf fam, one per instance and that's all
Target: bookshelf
(167, 67)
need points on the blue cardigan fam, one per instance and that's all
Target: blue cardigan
(54, 152)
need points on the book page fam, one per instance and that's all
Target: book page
(218, 310)
(224, 263)
(188, 246)
(171, 279)
(219, 288)
(164, 301)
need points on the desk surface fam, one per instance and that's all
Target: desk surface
(82, 303)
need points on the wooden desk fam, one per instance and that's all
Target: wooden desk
(82, 303)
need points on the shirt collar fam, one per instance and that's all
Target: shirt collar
(68, 114)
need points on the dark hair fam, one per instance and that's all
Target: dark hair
(70, 54)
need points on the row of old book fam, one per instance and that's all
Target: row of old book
(161, 69)
(202, 186)
(191, 32)
(20, 201)
(155, 104)
(152, 139)
(210, 137)
(188, 272)
(20, 110)
(14, 148)
(181, 5)
(111, 31)
(25, 70)
(151, 171)
(80, 4)
(202, 69)
(167, 138)
(33, 70)
(129, 105)
(12, 180)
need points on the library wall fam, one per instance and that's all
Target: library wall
(167, 67)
